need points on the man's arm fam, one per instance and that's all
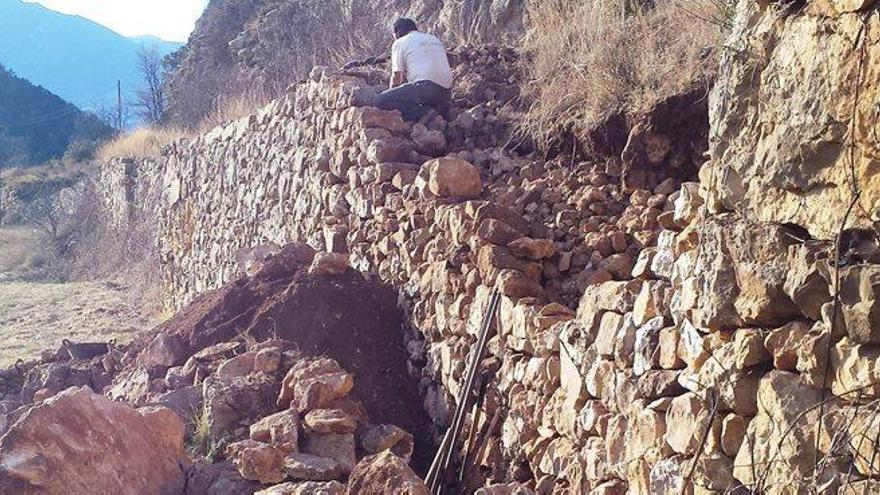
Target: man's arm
(398, 65)
(397, 78)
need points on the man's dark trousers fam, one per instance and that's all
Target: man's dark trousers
(414, 100)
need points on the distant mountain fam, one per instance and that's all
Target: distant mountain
(164, 47)
(73, 57)
(36, 125)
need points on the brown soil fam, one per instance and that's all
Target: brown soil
(346, 317)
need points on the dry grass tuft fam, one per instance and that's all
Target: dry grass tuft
(145, 141)
(233, 108)
(149, 141)
(590, 59)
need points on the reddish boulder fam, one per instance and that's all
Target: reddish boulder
(82, 442)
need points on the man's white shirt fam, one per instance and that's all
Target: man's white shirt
(422, 57)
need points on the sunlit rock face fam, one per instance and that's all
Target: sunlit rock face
(793, 116)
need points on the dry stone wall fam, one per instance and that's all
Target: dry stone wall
(676, 339)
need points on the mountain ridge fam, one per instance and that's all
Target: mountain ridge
(75, 58)
(37, 125)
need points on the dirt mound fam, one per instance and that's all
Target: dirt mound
(346, 317)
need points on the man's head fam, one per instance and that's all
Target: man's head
(403, 27)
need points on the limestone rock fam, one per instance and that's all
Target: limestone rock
(163, 351)
(257, 461)
(314, 383)
(279, 429)
(219, 478)
(686, 420)
(377, 438)
(305, 488)
(329, 421)
(647, 346)
(302, 466)
(859, 296)
(452, 178)
(786, 423)
(783, 344)
(748, 349)
(744, 273)
(384, 473)
(329, 264)
(773, 175)
(733, 430)
(806, 282)
(533, 249)
(236, 402)
(339, 447)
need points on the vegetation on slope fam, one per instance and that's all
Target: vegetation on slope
(589, 60)
(37, 126)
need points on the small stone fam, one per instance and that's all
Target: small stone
(267, 360)
(452, 178)
(339, 447)
(257, 461)
(686, 420)
(647, 346)
(329, 421)
(733, 430)
(533, 249)
(783, 344)
(669, 344)
(302, 466)
(280, 429)
(749, 349)
(305, 488)
(378, 438)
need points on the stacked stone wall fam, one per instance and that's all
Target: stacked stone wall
(649, 340)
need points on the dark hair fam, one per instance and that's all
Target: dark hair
(404, 26)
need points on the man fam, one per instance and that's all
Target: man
(420, 74)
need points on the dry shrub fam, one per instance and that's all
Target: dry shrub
(99, 250)
(145, 141)
(590, 59)
(268, 45)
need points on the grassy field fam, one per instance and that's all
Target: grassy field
(37, 316)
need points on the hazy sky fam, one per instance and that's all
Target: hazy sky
(171, 20)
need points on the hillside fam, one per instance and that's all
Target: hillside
(259, 47)
(36, 125)
(73, 57)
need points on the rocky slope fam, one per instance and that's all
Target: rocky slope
(660, 331)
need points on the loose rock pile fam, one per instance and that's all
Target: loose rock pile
(277, 414)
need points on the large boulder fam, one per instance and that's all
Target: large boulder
(81, 442)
